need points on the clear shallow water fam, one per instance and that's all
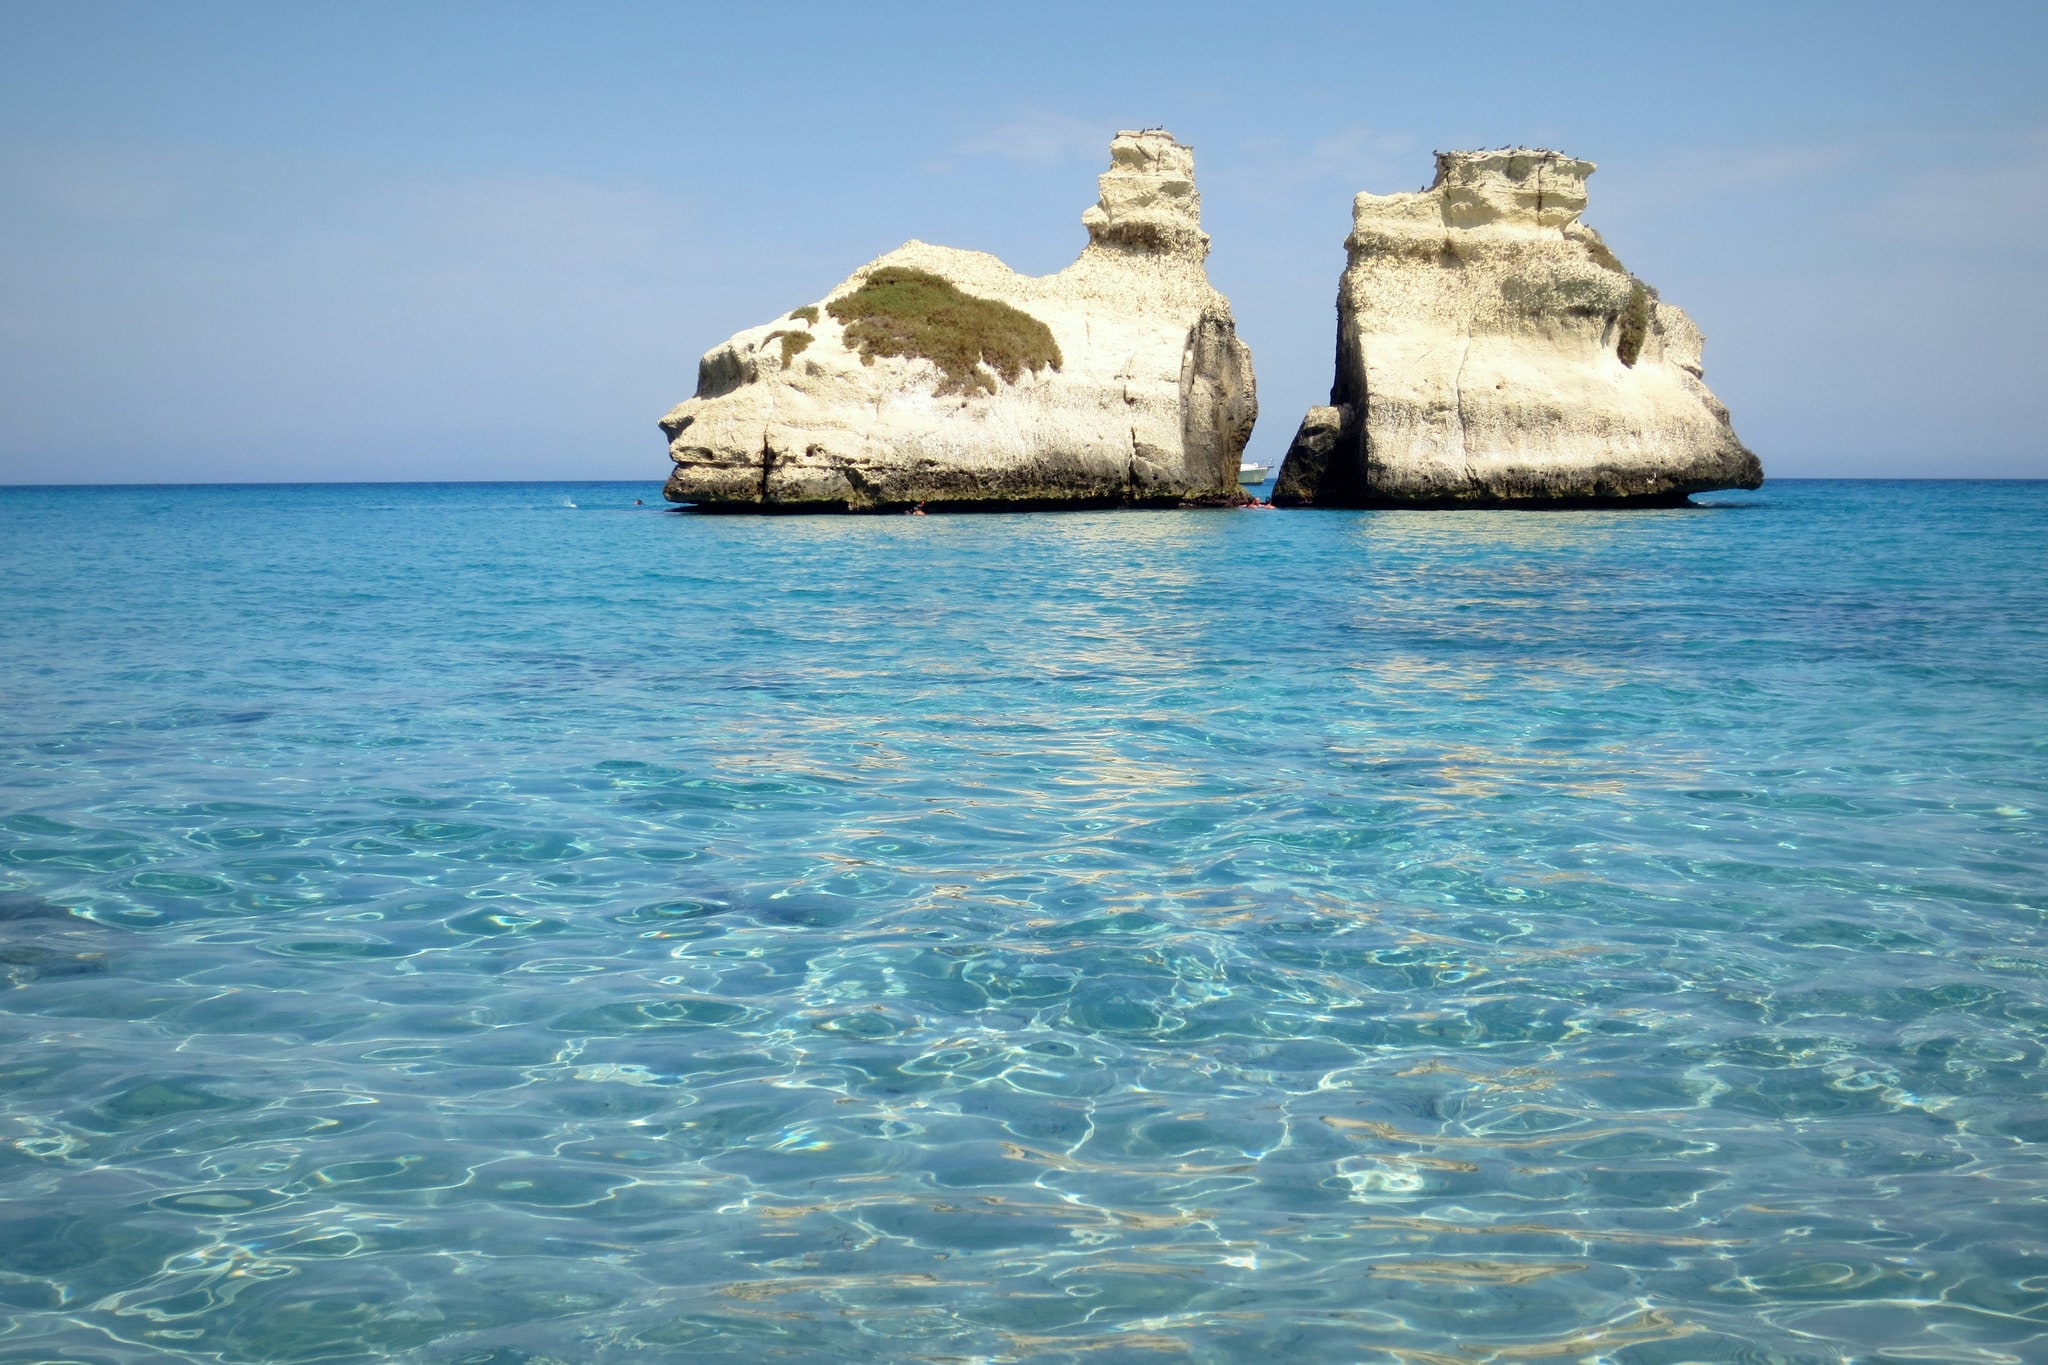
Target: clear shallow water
(496, 924)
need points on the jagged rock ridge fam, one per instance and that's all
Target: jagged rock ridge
(939, 376)
(1492, 350)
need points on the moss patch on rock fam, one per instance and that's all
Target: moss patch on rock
(1635, 324)
(807, 313)
(1602, 257)
(793, 343)
(898, 311)
(1547, 293)
(1402, 246)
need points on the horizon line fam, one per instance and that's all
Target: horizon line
(471, 483)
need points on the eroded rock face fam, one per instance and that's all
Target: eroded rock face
(1492, 350)
(938, 376)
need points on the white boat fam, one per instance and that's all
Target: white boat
(1252, 475)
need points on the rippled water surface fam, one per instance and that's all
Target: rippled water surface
(497, 924)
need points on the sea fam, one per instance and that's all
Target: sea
(510, 924)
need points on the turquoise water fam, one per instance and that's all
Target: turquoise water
(498, 924)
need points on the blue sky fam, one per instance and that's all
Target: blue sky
(462, 241)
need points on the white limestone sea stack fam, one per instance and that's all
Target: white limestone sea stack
(942, 377)
(1492, 351)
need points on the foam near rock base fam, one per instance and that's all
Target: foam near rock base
(1491, 349)
(940, 376)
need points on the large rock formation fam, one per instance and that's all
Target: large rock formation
(939, 376)
(1491, 350)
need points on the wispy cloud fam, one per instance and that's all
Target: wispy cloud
(1999, 201)
(233, 293)
(165, 203)
(1682, 177)
(1990, 190)
(1356, 151)
(82, 188)
(1042, 137)
(1350, 160)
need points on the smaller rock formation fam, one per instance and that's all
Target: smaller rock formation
(1492, 351)
(943, 377)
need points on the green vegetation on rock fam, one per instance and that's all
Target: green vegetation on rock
(793, 343)
(898, 311)
(807, 313)
(1635, 324)
(1535, 293)
(1602, 257)
(1403, 246)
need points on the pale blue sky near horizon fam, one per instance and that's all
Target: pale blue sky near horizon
(324, 241)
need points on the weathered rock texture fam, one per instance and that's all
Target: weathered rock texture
(1119, 380)
(1491, 350)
